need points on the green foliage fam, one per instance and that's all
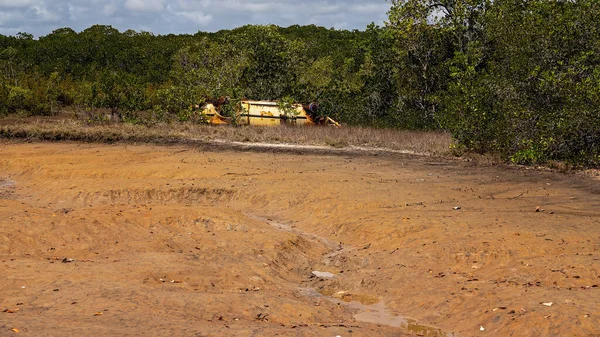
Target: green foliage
(286, 105)
(19, 98)
(316, 77)
(172, 102)
(273, 63)
(208, 69)
(231, 109)
(517, 78)
(8, 59)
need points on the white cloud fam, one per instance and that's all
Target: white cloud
(16, 3)
(251, 7)
(145, 5)
(197, 17)
(45, 15)
(109, 9)
(327, 9)
(41, 17)
(11, 16)
(193, 4)
(76, 11)
(369, 8)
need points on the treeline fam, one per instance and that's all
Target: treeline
(130, 72)
(517, 78)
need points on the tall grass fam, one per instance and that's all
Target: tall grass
(64, 128)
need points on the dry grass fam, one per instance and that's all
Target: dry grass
(65, 128)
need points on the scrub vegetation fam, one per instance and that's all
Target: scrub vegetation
(517, 79)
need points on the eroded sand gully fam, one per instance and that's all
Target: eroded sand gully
(145, 240)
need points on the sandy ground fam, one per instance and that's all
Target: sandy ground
(124, 240)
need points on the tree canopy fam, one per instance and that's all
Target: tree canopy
(518, 78)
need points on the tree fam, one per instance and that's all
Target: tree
(209, 69)
(8, 60)
(273, 62)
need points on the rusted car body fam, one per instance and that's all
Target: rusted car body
(265, 113)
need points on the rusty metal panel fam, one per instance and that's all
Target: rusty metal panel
(267, 113)
(210, 113)
(263, 113)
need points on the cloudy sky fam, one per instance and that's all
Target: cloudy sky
(41, 17)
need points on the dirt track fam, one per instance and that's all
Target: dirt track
(107, 240)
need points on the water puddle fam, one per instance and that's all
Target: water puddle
(7, 188)
(378, 313)
(323, 274)
(5, 182)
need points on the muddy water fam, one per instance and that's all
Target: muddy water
(6, 182)
(323, 274)
(379, 314)
(376, 313)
